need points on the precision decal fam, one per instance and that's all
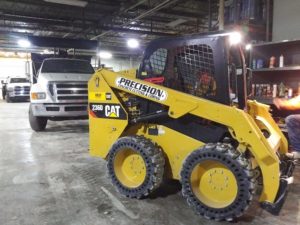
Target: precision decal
(110, 111)
(142, 89)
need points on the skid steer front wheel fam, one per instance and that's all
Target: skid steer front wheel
(135, 166)
(217, 182)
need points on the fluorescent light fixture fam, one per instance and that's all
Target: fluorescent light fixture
(46, 51)
(21, 54)
(8, 54)
(176, 22)
(105, 55)
(78, 3)
(235, 38)
(133, 43)
(248, 47)
(24, 43)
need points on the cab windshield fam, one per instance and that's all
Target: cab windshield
(19, 80)
(67, 66)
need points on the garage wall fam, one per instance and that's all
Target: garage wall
(16, 67)
(118, 64)
(286, 19)
(12, 67)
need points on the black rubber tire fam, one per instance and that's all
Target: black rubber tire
(37, 123)
(7, 98)
(239, 166)
(154, 161)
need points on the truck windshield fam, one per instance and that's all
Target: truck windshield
(19, 80)
(67, 66)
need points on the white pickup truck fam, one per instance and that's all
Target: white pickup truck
(60, 92)
(17, 88)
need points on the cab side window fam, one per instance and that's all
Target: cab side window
(195, 66)
(157, 62)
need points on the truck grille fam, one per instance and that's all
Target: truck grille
(69, 92)
(22, 90)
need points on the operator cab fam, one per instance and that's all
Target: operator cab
(209, 66)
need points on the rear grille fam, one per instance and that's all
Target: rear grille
(69, 92)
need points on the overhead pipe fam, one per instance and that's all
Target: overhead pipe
(31, 28)
(209, 15)
(147, 13)
(268, 14)
(221, 14)
(134, 5)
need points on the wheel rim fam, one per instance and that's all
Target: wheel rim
(214, 184)
(130, 168)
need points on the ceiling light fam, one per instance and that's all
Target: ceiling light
(248, 47)
(133, 43)
(105, 55)
(235, 38)
(24, 43)
(78, 3)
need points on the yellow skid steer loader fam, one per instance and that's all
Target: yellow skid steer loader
(184, 115)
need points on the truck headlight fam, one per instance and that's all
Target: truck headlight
(10, 89)
(38, 95)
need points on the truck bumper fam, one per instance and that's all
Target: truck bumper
(59, 110)
(287, 170)
(18, 95)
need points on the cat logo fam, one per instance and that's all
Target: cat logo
(112, 111)
(109, 111)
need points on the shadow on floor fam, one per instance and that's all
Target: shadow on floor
(169, 187)
(68, 128)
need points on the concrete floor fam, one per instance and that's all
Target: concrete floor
(49, 178)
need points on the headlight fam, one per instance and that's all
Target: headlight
(38, 95)
(10, 89)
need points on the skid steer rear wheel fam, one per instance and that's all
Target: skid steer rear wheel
(135, 166)
(217, 182)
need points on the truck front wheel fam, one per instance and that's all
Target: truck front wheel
(37, 123)
(7, 98)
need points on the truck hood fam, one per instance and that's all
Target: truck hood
(18, 84)
(48, 77)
